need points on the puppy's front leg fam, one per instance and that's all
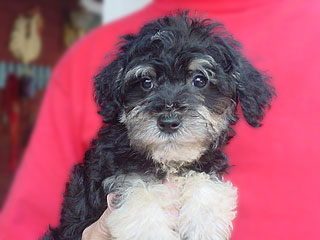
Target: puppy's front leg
(208, 208)
(141, 209)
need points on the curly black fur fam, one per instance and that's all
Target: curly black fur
(183, 38)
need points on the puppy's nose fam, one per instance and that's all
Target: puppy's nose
(169, 124)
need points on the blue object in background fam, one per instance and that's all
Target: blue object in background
(38, 73)
(3, 75)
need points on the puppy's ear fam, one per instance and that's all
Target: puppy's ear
(252, 87)
(107, 91)
(253, 90)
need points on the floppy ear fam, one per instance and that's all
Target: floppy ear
(254, 92)
(251, 86)
(107, 91)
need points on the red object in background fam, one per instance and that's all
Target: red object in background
(12, 110)
(276, 166)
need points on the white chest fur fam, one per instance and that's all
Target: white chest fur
(143, 207)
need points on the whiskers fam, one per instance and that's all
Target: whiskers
(200, 130)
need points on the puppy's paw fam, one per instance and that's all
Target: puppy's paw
(208, 208)
(143, 212)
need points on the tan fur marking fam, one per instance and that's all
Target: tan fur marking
(141, 70)
(199, 129)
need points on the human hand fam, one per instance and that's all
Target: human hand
(99, 230)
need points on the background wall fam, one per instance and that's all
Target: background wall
(115, 9)
(55, 14)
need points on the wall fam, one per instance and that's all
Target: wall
(54, 13)
(115, 9)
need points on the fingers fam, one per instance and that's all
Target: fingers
(99, 230)
(110, 197)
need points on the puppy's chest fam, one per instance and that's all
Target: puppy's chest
(187, 207)
(175, 191)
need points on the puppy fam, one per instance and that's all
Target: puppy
(168, 100)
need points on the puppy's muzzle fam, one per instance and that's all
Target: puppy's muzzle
(169, 123)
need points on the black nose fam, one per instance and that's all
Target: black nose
(169, 124)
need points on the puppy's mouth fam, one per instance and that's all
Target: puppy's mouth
(173, 138)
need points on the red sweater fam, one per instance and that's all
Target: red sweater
(276, 166)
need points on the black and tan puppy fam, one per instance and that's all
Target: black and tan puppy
(169, 100)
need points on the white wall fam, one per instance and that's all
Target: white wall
(115, 9)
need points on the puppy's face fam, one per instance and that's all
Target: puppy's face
(173, 110)
(176, 86)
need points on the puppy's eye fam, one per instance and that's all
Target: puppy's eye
(146, 83)
(199, 81)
